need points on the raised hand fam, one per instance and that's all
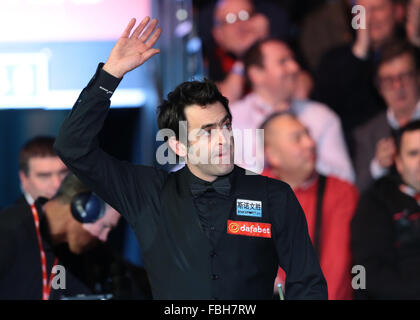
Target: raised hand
(385, 152)
(362, 44)
(133, 50)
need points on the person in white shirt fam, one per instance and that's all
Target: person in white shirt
(272, 72)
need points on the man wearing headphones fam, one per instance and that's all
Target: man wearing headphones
(42, 247)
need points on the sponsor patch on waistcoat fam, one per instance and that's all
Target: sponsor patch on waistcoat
(250, 208)
(248, 228)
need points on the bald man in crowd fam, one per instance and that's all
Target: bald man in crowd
(327, 201)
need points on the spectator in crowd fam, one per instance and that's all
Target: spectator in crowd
(272, 71)
(386, 226)
(41, 171)
(325, 28)
(34, 239)
(344, 79)
(236, 25)
(328, 202)
(398, 80)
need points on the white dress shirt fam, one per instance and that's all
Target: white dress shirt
(322, 123)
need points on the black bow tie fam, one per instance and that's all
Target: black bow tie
(220, 185)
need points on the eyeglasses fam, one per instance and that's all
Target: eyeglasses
(403, 78)
(231, 18)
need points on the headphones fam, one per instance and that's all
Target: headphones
(87, 207)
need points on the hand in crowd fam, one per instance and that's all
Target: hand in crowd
(362, 44)
(385, 152)
(133, 50)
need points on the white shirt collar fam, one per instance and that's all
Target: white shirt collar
(259, 103)
(392, 120)
(28, 198)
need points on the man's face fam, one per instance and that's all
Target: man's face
(82, 237)
(236, 27)
(101, 228)
(408, 159)
(44, 177)
(280, 69)
(210, 141)
(381, 20)
(289, 147)
(399, 83)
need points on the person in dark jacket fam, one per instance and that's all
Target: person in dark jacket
(207, 231)
(386, 226)
(45, 253)
(344, 77)
(41, 171)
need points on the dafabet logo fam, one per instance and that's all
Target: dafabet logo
(248, 228)
(233, 227)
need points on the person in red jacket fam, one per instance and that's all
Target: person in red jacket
(328, 202)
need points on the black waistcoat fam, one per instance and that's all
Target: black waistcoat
(182, 263)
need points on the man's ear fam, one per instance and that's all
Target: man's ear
(399, 12)
(178, 147)
(398, 164)
(270, 157)
(23, 179)
(255, 75)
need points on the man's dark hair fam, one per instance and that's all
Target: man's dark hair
(409, 127)
(396, 48)
(40, 146)
(70, 186)
(254, 56)
(202, 93)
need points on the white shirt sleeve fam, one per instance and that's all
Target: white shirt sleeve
(376, 170)
(325, 128)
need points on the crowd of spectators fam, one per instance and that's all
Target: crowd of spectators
(336, 89)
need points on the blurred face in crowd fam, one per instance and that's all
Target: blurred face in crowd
(381, 20)
(289, 148)
(44, 177)
(236, 27)
(408, 159)
(399, 84)
(210, 141)
(83, 237)
(279, 73)
(101, 228)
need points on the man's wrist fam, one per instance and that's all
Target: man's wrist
(376, 170)
(238, 68)
(359, 52)
(104, 82)
(112, 71)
